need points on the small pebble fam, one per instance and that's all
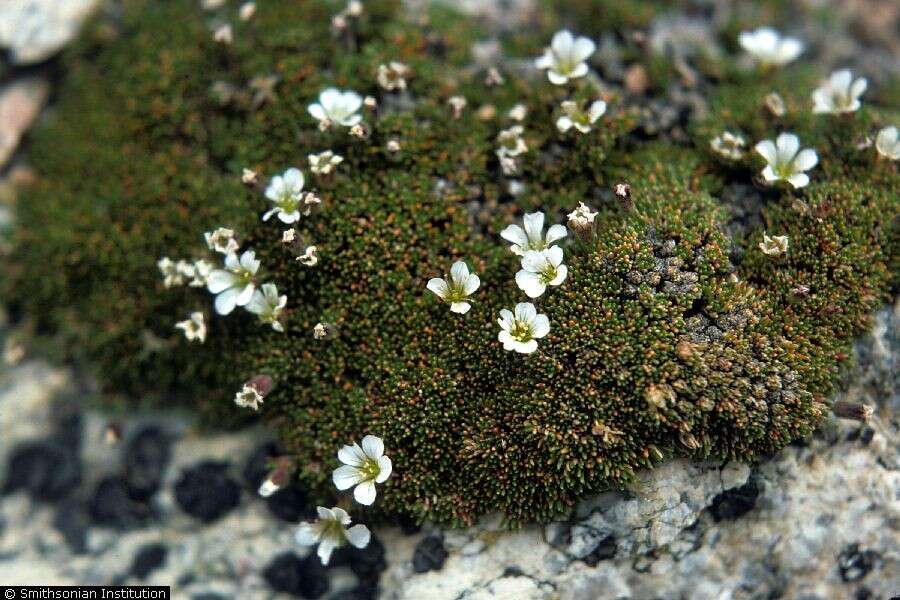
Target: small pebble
(148, 559)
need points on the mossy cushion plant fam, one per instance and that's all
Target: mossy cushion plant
(672, 327)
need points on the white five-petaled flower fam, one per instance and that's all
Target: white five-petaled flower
(582, 215)
(337, 108)
(234, 285)
(575, 116)
(565, 58)
(839, 93)
(221, 240)
(324, 163)
(330, 531)
(511, 142)
(520, 329)
(532, 236)
(456, 292)
(286, 192)
(729, 145)
(392, 76)
(775, 245)
(541, 268)
(786, 162)
(887, 143)
(248, 397)
(768, 46)
(310, 257)
(363, 467)
(267, 304)
(170, 272)
(201, 270)
(194, 327)
(518, 112)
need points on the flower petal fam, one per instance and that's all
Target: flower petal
(373, 446)
(768, 151)
(534, 226)
(530, 283)
(306, 534)
(787, 144)
(561, 272)
(438, 286)
(326, 547)
(460, 307)
(385, 468)
(220, 280)
(351, 455)
(526, 347)
(226, 301)
(799, 180)
(541, 326)
(359, 536)
(472, 283)
(805, 160)
(582, 49)
(556, 232)
(459, 272)
(525, 312)
(346, 476)
(364, 493)
(554, 255)
(515, 235)
(534, 261)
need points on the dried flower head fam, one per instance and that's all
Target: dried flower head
(729, 145)
(194, 327)
(775, 245)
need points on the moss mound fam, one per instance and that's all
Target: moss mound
(673, 335)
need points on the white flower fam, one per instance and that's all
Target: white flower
(322, 331)
(194, 327)
(393, 146)
(785, 162)
(247, 10)
(221, 240)
(462, 284)
(186, 271)
(337, 107)
(775, 245)
(520, 331)
(267, 488)
(839, 93)
(511, 142)
(363, 467)
(286, 192)
(267, 304)
(581, 220)
(887, 144)
(775, 103)
(565, 58)
(330, 531)
(248, 397)
(324, 163)
(310, 257)
(540, 269)
(518, 112)
(392, 76)
(578, 118)
(729, 145)
(508, 164)
(768, 47)
(532, 237)
(224, 34)
(169, 270)
(249, 176)
(457, 104)
(202, 269)
(234, 285)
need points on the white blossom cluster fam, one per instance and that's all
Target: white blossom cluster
(363, 466)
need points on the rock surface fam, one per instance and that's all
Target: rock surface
(34, 30)
(819, 520)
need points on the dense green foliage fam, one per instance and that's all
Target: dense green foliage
(669, 336)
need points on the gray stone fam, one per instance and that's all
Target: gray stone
(34, 30)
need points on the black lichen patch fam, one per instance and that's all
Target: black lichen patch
(854, 563)
(300, 577)
(207, 491)
(736, 502)
(429, 554)
(111, 505)
(145, 457)
(45, 470)
(147, 559)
